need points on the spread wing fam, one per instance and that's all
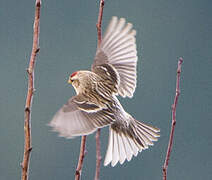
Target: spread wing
(118, 50)
(80, 117)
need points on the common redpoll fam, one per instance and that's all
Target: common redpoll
(95, 106)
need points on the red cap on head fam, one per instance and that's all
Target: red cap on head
(73, 74)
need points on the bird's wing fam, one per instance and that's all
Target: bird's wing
(80, 117)
(118, 50)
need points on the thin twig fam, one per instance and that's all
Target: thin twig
(99, 38)
(81, 158)
(169, 149)
(30, 71)
(98, 155)
(99, 22)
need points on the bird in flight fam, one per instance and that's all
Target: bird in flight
(95, 104)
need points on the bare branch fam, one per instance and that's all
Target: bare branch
(169, 149)
(98, 155)
(99, 22)
(30, 71)
(81, 158)
(99, 38)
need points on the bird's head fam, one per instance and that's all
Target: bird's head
(79, 80)
(74, 79)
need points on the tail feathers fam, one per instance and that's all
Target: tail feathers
(123, 145)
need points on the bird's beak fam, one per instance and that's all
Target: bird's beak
(69, 81)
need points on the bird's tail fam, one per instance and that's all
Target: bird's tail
(127, 141)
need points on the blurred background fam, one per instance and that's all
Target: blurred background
(166, 30)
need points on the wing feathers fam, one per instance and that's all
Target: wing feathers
(119, 49)
(110, 28)
(78, 117)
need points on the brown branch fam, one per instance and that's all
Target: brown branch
(169, 149)
(99, 38)
(30, 71)
(81, 158)
(98, 155)
(99, 22)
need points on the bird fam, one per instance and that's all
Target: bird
(96, 105)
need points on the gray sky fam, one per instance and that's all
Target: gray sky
(166, 30)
